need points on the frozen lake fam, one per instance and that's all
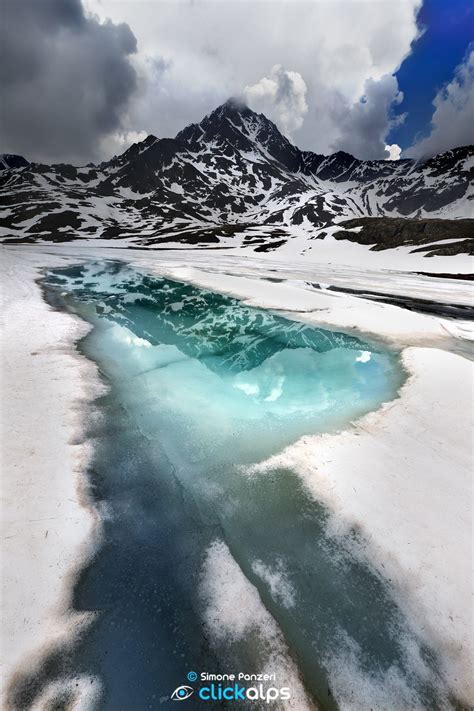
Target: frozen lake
(203, 564)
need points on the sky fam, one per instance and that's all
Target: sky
(441, 48)
(83, 79)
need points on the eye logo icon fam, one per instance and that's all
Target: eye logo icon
(182, 693)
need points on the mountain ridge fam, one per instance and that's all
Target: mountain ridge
(233, 170)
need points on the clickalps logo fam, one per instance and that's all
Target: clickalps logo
(229, 688)
(182, 693)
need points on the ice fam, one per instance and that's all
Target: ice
(236, 381)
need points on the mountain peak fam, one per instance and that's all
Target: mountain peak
(234, 110)
(225, 124)
(233, 124)
(234, 103)
(137, 148)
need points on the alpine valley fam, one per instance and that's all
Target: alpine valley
(234, 180)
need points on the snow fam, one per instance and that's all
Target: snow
(343, 252)
(130, 194)
(280, 587)
(176, 188)
(468, 163)
(234, 608)
(48, 526)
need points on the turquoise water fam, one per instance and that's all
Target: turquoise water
(200, 388)
(239, 383)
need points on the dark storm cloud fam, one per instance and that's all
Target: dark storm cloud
(364, 125)
(65, 79)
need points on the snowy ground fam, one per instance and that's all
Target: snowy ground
(48, 529)
(299, 251)
(401, 474)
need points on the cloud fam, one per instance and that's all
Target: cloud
(207, 52)
(281, 97)
(452, 123)
(66, 79)
(118, 142)
(364, 124)
(394, 151)
(74, 88)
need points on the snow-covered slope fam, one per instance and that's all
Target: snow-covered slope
(231, 180)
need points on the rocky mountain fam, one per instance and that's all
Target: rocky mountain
(231, 180)
(9, 160)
